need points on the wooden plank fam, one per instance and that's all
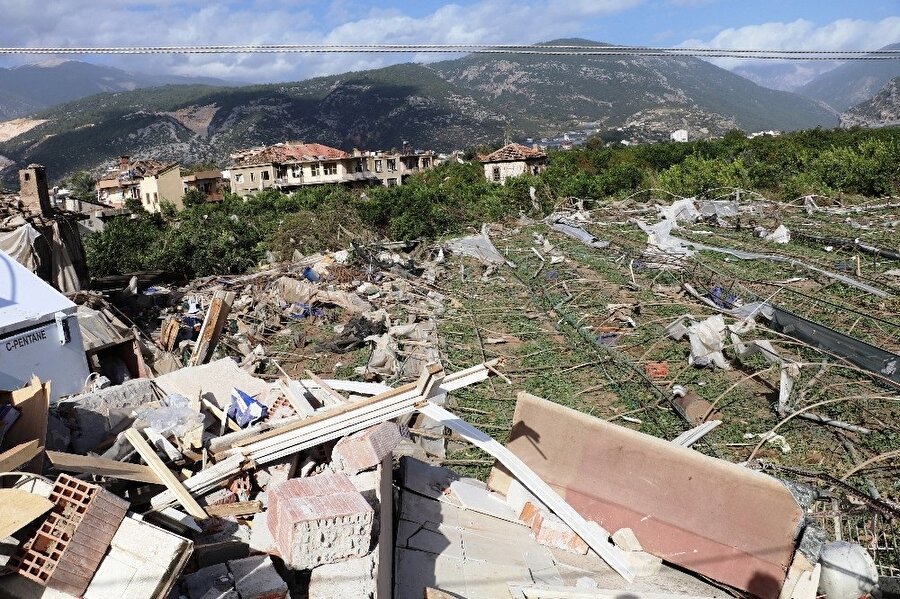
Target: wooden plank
(165, 475)
(451, 382)
(82, 464)
(20, 508)
(610, 554)
(293, 392)
(216, 315)
(240, 508)
(334, 397)
(11, 459)
(33, 402)
(220, 414)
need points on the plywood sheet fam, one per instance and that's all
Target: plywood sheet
(710, 516)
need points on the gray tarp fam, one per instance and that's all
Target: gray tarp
(19, 245)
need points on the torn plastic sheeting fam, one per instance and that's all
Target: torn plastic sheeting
(19, 244)
(683, 209)
(719, 208)
(862, 354)
(780, 235)
(578, 233)
(707, 340)
(477, 246)
(660, 236)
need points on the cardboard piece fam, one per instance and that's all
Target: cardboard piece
(33, 402)
(710, 516)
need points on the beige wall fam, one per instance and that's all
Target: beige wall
(510, 169)
(255, 178)
(166, 186)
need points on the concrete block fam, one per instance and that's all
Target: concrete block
(625, 540)
(318, 520)
(255, 577)
(351, 578)
(143, 561)
(548, 529)
(643, 563)
(212, 581)
(365, 449)
(261, 539)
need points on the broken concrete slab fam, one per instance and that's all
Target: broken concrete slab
(255, 577)
(214, 381)
(350, 578)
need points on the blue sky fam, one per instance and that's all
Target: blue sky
(782, 24)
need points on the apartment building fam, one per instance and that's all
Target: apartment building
(149, 181)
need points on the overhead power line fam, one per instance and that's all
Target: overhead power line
(552, 50)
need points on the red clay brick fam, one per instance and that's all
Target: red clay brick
(72, 539)
(366, 449)
(551, 531)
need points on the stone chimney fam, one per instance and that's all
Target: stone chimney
(33, 189)
(124, 163)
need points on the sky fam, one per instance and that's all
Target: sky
(741, 24)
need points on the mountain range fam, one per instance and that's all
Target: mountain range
(29, 88)
(461, 103)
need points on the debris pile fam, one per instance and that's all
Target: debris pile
(285, 432)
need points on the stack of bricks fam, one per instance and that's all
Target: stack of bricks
(322, 519)
(71, 541)
(366, 449)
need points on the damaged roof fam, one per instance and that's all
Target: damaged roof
(512, 153)
(287, 152)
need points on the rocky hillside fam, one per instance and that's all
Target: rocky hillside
(557, 91)
(852, 82)
(447, 105)
(881, 111)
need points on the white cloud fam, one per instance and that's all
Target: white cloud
(191, 22)
(843, 34)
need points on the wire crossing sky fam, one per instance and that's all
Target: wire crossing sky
(556, 50)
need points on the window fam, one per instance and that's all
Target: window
(314, 170)
(330, 168)
(28, 176)
(296, 171)
(155, 197)
(239, 178)
(391, 182)
(252, 176)
(377, 166)
(264, 176)
(148, 197)
(497, 173)
(392, 164)
(425, 162)
(359, 166)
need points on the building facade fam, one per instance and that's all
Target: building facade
(512, 160)
(149, 181)
(210, 183)
(289, 166)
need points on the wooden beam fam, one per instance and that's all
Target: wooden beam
(294, 393)
(12, 458)
(240, 508)
(334, 397)
(221, 415)
(20, 508)
(82, 464)
(165, 475)
(216, 315)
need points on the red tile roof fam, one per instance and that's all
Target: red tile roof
(288, 152)
(512, 152)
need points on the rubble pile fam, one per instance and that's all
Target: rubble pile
(281, 433)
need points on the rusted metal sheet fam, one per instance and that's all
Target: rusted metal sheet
(734, 525)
